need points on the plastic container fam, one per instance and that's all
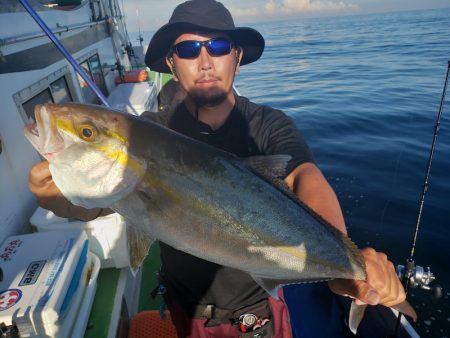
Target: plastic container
(48, 282)
(134, 98)
(107, 235)
(81, 322)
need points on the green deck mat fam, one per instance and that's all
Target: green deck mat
(100, 316)
(149, 280)
(98, 323)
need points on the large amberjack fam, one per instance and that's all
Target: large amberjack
(192, 196)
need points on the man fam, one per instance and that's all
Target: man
(204, 50)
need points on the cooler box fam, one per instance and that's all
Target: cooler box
(107, 234)
(48, 283)
(134, 98)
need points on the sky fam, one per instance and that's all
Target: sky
(149, 15)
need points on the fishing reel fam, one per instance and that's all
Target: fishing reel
(414, 276)
(9, 331)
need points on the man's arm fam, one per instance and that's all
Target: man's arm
(50, 197)
(382, 285)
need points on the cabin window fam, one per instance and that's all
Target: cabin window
(57, 92)
(93, 68)
(60, 91)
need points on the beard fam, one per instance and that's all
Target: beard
(208, 99)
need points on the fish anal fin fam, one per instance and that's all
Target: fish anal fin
(407, 309)
(356, 315)
(139, 243)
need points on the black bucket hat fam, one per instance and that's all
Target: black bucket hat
(201, 15)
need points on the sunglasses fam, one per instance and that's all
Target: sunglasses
(190, 49)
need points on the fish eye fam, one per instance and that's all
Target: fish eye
(87, 132)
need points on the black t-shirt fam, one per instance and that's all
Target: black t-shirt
(249, 130)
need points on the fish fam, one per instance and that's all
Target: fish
(194, 197)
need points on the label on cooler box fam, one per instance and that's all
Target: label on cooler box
(32, 274)
(9, 298)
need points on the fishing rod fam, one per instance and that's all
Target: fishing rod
(412, 275)
(64, 51)
(140, 39)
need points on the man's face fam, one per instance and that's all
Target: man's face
(207, 79)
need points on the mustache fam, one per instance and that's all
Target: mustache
(207, 77)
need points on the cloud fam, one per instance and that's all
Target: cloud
(140, 14)
(285, 8)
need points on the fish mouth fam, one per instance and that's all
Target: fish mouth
(32, 134)
(43, 134)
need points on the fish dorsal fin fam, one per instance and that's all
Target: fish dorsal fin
(268, 166)
(271, 168)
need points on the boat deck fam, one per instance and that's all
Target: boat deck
(107, 319)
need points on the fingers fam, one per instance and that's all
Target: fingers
(382, 276)
(41, 183)
(51, 198)
(361, 291)
(381, 287)
(39, 176)
(47, 193)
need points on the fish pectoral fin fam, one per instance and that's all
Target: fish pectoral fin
(407, 309)
(270, 285)
(139, 243)
(356, 315)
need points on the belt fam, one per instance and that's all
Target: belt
(213, 314)
(240, 318)
(243, 316)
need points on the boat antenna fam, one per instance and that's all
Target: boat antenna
(413, 275)
(64, 51)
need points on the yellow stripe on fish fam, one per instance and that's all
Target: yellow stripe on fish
(259, 240)
(116, 154)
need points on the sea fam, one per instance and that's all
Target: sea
(365, 92)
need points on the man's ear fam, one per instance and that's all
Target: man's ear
(171, 63)
(239, 55)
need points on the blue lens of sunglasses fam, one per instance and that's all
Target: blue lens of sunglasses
(191, 49)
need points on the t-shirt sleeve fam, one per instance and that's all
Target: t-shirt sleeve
(278, 134)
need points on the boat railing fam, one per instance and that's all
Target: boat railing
(60, 29)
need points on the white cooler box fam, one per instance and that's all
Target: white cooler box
(107, 234)
(48, 284)
(134, 98)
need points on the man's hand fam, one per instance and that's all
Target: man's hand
(50, 197)
(381, 287)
